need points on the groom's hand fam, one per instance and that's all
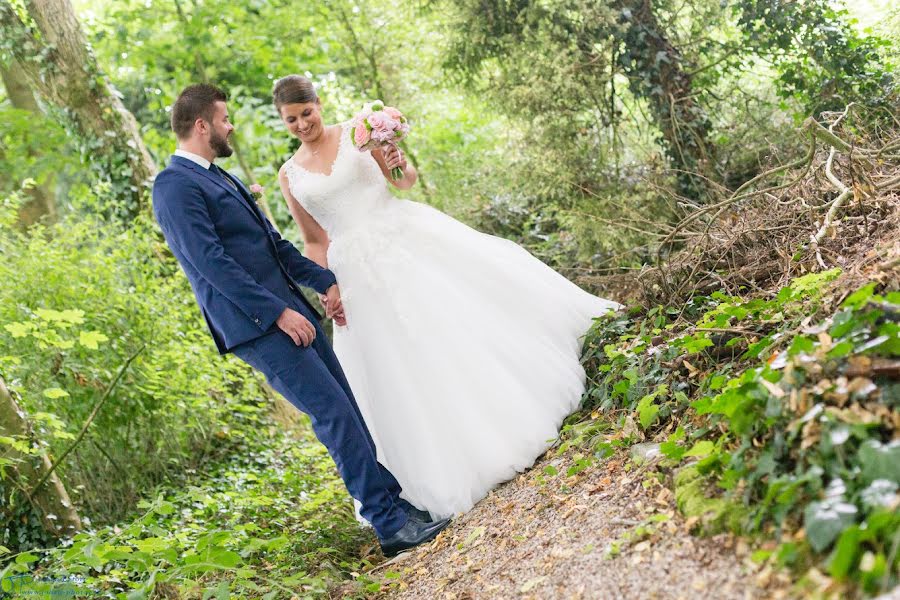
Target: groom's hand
(297, 326)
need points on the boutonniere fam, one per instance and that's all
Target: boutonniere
(256, 191)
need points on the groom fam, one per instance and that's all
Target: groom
(246, 279)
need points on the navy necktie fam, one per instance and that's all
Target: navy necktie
(222, 174)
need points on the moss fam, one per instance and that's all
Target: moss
(716, 514)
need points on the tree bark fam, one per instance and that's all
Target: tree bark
(52, 501)
(42, 202)
(654, 69)
(51, 49)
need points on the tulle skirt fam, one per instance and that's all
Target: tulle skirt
(462, 350)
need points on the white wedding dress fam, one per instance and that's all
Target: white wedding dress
(461, 348)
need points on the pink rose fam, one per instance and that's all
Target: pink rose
(378, 120)
(360, 134)
(393, 113)
(381, 127)
(256, 189)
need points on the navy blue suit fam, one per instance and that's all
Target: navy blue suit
(244, 274)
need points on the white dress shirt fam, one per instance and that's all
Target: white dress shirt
(193, 157)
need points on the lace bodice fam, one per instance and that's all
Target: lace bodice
(347, 197)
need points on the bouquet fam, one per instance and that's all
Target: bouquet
(376, 126)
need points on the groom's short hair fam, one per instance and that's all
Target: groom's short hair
(196, 101)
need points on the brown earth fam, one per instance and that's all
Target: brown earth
(611, 531)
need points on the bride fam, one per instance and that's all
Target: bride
(461, 348)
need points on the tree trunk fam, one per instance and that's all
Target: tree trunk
(42, 202)
(52, 501)
(50, 48)
(654, 69)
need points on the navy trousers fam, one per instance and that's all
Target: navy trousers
(312, 380)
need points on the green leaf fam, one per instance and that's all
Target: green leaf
(165, 508)
(880, 461)
(476, 533)
(73, 317)
(801, 344)
(859, 298)
(845, 553)
(25, 558)
(90, 339)
(825, 520)
(54, 393)
(841, 349)
(812, 283)
(224, 559)
(647, 410)
(701, 448)
(18, 330)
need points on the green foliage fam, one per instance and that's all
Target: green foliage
(821, 60)
(25, 140)
(271, 521)
(228, 502)
(78, 299)
(782, 424)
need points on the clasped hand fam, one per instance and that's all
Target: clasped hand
(334, 309)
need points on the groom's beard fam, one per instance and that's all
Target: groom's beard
(220, 146)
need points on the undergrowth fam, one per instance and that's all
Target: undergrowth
(780, 412)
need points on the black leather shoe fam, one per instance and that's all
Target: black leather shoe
(411, 535)
(419, 515)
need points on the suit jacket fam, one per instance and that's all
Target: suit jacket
(242, 271)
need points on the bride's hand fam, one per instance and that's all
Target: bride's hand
(333, 307)
(393, 157)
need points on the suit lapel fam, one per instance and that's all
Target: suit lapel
(245, 195)
(217, 179)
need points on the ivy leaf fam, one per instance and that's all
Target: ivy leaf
(880, 493)
(880, 461)
(825, 520)
(90, 339)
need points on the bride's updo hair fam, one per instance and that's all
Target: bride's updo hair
(293, 89)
